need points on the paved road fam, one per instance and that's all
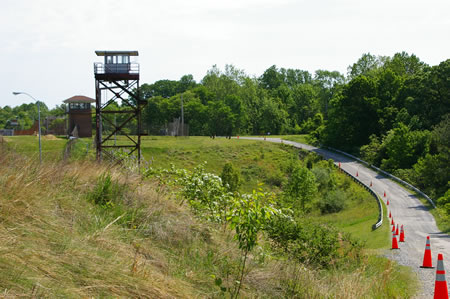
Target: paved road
(406, 209)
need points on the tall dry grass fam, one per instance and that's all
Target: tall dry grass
(55, 242)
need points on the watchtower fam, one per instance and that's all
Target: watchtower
(80, 115)
(117, 81)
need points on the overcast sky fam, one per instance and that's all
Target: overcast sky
(47, 46)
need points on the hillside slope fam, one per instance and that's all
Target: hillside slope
(85, 230)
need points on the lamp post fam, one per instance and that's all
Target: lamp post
(39, 120)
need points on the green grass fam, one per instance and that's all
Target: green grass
(67, 246)
(296, 138)
(257, 161)
(29, 145)
(360, 214)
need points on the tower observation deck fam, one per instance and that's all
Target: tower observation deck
(118, 105)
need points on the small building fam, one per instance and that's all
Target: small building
(80, 116)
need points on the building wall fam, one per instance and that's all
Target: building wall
(32, 131)
(83, 121)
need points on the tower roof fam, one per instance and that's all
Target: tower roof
(106, 53)
(79, 99)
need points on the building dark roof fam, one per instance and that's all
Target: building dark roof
(105, 53)
(79, 99)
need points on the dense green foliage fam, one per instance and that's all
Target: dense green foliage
(392, 111)
(26, 115)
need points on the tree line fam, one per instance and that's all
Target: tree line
(394, 111)
(23, 117)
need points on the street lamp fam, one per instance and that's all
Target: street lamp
(39, 120)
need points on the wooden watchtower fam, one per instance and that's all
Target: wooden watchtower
(80, 116)
(117, 81)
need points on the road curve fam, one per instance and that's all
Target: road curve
(406, 209)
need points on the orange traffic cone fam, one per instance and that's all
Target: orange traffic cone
(390, 214)
(384, 193)
(427, 263)
(339, 165)
(387, 203)
(370, 183)
(396, 231)
(237, 136)
(394, 242)
(402, 234)
(440, 286)
(357, 173)
(393, 229)
(392, 221)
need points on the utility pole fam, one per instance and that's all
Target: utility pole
(182, 117)
(39, 124)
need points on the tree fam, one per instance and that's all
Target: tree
(186, 82)
(367, 65)
(329, 83)
(305, 102)
(403, 64)
(272, 118)
(230, 177)
(405, 147)
(222, 84)
(195, 114)
(271, 78)
(163, 88)
(353, 114)
(221, 119)
(301, 188)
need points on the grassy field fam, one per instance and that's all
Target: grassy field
(296, 138)
(67, 246)
(257, 161)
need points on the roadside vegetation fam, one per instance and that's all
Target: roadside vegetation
(74, 228)
(393, 111)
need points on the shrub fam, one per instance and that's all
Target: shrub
(301, 188)
(333, 202)
(324, 177)
(311, 243)
(275, 178)
(231, 177)
(444, 202)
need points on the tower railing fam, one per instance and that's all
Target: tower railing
(116, 68)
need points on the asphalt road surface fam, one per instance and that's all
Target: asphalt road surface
(406, 209)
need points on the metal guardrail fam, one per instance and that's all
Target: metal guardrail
(404, 183)
(377, 197)
(387, 174)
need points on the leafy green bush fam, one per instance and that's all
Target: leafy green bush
(324, 176)
(444, 202)
(231, 178)
(275, 178)
(300, 189)
(332, 202)
(312, 243)
(205, 193)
